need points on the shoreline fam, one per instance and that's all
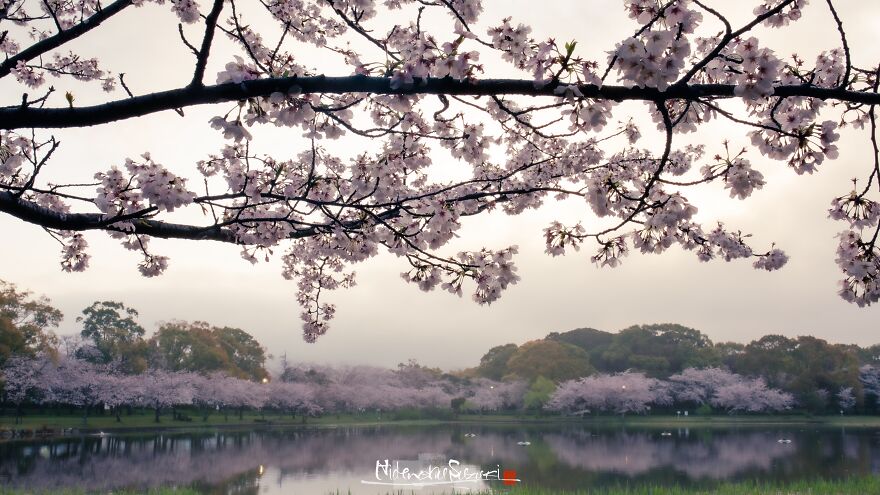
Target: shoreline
(44, 427)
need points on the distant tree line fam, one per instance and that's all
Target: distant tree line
(813, 371)
(111, 335)
(112, 364)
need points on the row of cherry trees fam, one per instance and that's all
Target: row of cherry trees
(73, 382)
(631, 392)
(311, 391)
(78, 383)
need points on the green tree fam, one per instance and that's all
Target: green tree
(197, 346)
(245, 353)
(659, 350)
(493, 364)
(594, 342)
(184, 346)
(113, 329)
(538, 394)
(769, 357)
(810, 368)
(26, 323)
(818, 365)
(729, 352)
(869, 355)
(556, 361)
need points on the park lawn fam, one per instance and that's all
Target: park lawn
(145, 420)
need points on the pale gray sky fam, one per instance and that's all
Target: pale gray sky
(384, 320)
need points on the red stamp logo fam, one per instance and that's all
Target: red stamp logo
(508, 477)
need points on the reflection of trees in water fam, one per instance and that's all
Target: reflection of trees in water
(719, 456)
(110, 462)
(491, 447)
(96, 463)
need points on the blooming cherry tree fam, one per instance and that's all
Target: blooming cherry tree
(23, 380)
(415, 98)
(699, 386)
(489, 395)
(751, 396)
(727, 390)
(294, 398)
(619, 393)
(846, 399)
(869, 376)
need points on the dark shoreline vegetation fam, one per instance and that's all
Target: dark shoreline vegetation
(37, 426)
(851, 486)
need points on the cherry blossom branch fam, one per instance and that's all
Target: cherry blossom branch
(522, 142)
(17, 117)
(52, 42)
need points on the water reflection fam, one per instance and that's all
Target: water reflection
(326, 459)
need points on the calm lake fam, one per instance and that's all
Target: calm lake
(323, 460)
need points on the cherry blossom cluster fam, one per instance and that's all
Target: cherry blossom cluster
(857, 210)
(147, 181)
(147, 186)
(802, 142)
(316, 267)
(186, 10)
(869, 376)
(860, 262)
(63, 65)
(729, 391)
(760, 70)
(588, 114)
(619, 393)
(421, 56)
(74, 257)
(514, 42)
(485, 395)
(491, 271)
(790, 13)
(655, 59)
(630, 392)
(739, 177)
(558, 237)
(15, 150)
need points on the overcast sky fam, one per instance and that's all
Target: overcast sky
(385, 320)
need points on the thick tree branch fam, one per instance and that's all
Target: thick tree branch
(33, 213)
(18, 117)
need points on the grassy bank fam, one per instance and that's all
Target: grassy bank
(858, 486)
(855, 486)
(146, 420)
(74, 491)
